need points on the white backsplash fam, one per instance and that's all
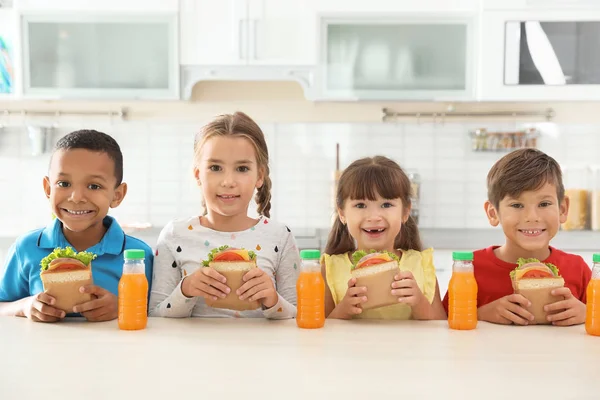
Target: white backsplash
(158, 162)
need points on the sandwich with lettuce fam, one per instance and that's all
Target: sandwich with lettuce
(535, 281)
(375, 270)
(233, 264)
(63, 272)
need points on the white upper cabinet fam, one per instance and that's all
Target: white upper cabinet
(540, 5)
(543, 54)
(398, 6)
(282, 32)
(100, 55)
(248, 32)
(414, 57)
(57, 6)
(213, 32)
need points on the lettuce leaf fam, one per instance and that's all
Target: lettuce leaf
(523, 261)
(84, 256)
(220, 249)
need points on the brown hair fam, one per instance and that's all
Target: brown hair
(241, 125)
(365, 179)
(523, 170)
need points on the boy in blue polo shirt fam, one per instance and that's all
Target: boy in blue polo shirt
(84, 180)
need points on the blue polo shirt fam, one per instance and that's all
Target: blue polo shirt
(22, 269)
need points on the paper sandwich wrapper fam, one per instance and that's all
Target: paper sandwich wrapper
(537, 291)
(64, 287)
(234, 272)
(378, 280)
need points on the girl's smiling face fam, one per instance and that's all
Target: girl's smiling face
(374, 224)
(228, 174)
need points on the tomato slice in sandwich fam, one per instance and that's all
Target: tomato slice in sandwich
(373, 259)
(536, 273)
(228, 256)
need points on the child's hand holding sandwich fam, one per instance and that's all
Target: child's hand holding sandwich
(511, 309)
(102, 307)
(205, 282)
(259, 287)
(351, 304)
(39, 308)
(570, 311)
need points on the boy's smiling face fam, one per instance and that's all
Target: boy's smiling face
(81, 187)
(530, 220)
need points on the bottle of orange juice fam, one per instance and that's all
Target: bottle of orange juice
(462, 293)
(133, 292)
(310, 289)
(592, 319)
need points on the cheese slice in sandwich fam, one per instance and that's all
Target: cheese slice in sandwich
(63, 273)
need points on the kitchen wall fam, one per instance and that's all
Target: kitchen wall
(158, 158)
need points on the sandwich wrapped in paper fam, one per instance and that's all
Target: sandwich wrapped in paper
(233, 264)
(535, 281)
(376, 271)
(63, 273)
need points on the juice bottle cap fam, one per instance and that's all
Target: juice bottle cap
(462, 255)
(310, 254)
(596, 257)
(135, 254)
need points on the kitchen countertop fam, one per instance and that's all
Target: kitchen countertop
(257, 358)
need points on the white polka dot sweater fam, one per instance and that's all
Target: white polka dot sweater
(184, 243)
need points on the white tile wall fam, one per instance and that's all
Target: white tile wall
(158, 169)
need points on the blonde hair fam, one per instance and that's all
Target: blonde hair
(241, 125)
(365, 179)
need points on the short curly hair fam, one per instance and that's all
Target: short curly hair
(92, 140)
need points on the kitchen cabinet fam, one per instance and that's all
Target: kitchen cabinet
(548, 53)
(248, 32)
(58, 6)
(101, 55)
(404, 57)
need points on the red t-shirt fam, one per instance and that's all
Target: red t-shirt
(493, 275)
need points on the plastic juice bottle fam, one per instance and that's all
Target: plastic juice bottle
(462, 293)
(133, 292)
(310, 289)
(592, 319)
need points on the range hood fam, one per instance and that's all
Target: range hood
(192, 74)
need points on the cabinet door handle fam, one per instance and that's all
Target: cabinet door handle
(253, 30)
(241, 38)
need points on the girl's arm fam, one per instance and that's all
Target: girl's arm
(166, 298)
(435, 310)
(329, 303)
(286, 275)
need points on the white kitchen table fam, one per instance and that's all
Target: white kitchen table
(260, 359)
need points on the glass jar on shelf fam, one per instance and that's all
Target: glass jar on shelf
(415, 185)
(595, 195)
(577, 188)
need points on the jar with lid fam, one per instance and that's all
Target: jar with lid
(595, 195)
(415, 189)
(577, 188)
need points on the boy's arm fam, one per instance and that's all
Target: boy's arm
(166, 297)
(287, 271)
(14, 288)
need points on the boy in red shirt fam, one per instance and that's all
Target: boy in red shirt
(527, 198)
